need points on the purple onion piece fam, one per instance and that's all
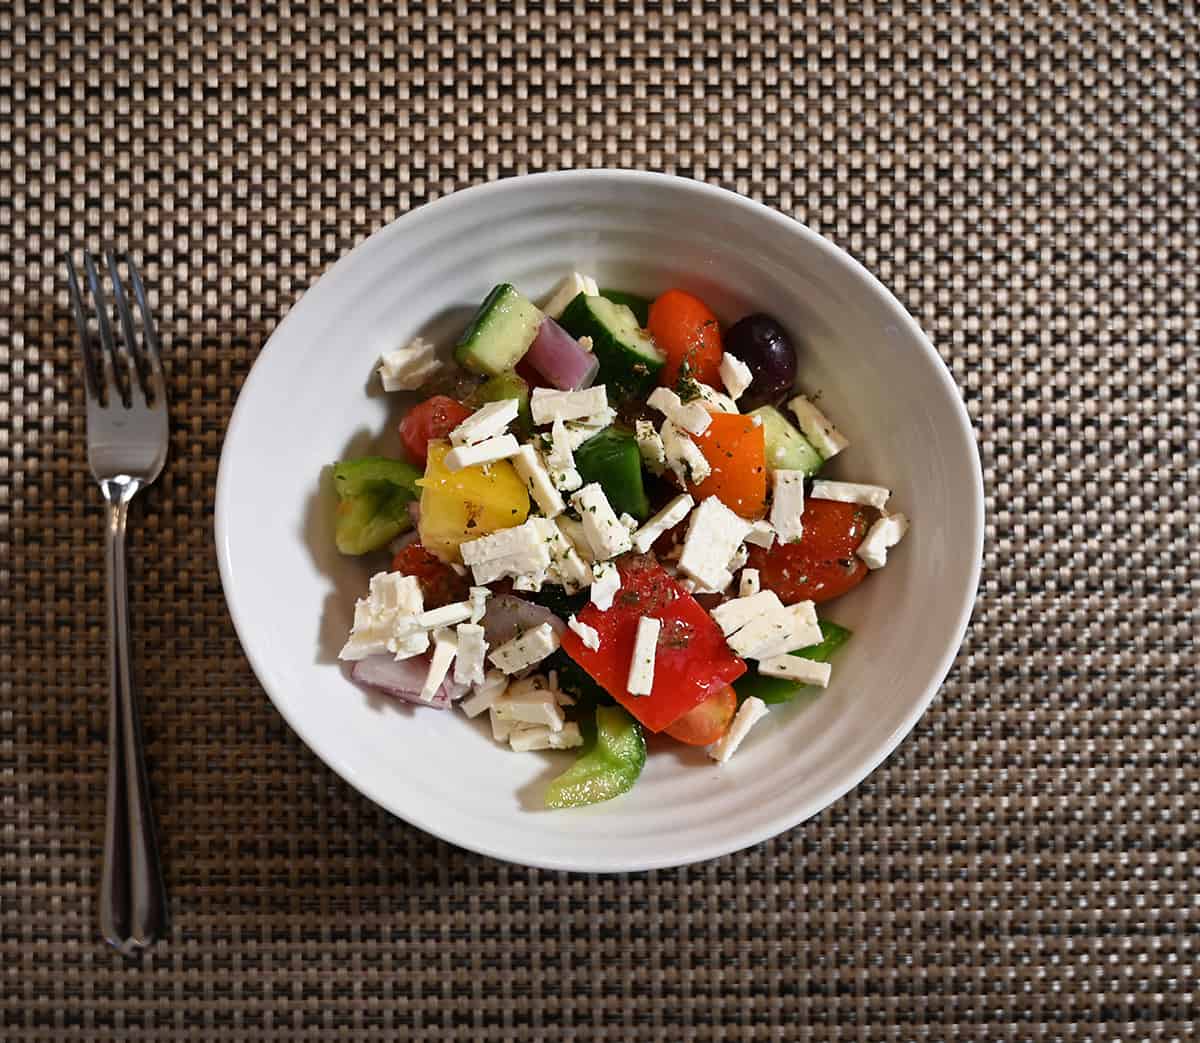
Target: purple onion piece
(403, 679)
(559, 360)
(508, 616)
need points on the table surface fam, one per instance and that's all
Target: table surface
(1024, 177)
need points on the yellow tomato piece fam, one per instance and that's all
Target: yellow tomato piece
(457, 506)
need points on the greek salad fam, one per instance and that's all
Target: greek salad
(610, 521)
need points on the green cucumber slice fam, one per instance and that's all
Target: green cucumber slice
(629, 360)
(640, 306)
(787, 448)
(500, 333)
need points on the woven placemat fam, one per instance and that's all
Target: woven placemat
(1023, 176)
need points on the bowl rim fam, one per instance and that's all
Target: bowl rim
(715, 195)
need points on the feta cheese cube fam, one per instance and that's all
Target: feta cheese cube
(445, 645)
(693, 417)
(851, 492)
(586, 344)
(694, 587)
(666, 519)
(519, 569)
(567, 290)
(587, 427)
(587, 634)
(409, 368)
(761, 534)
(606, 581)
(733, 615)
(749, 714)
(548, 405)
(787, 507)
(501, 729)
(445, 616)
(629, 521)
(472, 647)
(684, 456)
(530, 701)
(748, 583)
(641, 664)
(384, 616)
(796, 668)
(714, 400)
(714, 533)
(494, 685)
(499, 448)
(735, 375)
(605, 534)
(478, 597)
(488, 421)
(886, 532)
(531, 647)
(529, 466)
(566, 566)
(801, 631)
(573, 531)
(538, 737)
(560, 459)
(763, 632)
(826, 439)
(522, 541)
(739, 559)
(650, 445)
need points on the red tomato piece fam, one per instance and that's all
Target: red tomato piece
(440, 584)
(822, 563)
(692, 660)
(427, 421)
(706, 722)
(685, 330)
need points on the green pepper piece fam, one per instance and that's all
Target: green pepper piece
(507, 385)
(608, 766)
(640, 306)
(779, 689)
(373, 497)
(612, 459)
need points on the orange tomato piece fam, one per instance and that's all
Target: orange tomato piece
(685, 330)
(736, 450)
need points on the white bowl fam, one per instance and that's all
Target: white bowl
(311, 399)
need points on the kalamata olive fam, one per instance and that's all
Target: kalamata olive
(760, 342)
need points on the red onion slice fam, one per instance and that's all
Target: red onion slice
(508, 616)
(559, 360)
(403, 679)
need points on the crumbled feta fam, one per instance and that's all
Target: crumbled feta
(586, 343)
(445, 616)
(735, 614)
(748, 583)
(735, 375)
(409, 368)
(886, 532)
(749, 714)
(384, 617)
(713, 535)
(684, 456)
(641, 664)
(472, 647)
(825, 438)
(494, 685)
(498, 448)
(566, 566)
(529, 466)
(531, 647)
(605, 534)
(478, 597)
(560, 459)
(851, 492)
(796, 668)
(548, 405)
(629, 521)
(539, 737)
(650, 445)
(761, 534)
(530, 701)
(486, 422)
(693, 417)
(787, 507)
(606, 581)
(445, 645)
(589, 635)
(567, 290)
(670, 516)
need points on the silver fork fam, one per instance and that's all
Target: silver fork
(127, 445)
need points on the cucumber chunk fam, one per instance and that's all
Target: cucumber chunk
(629, 360)
(640, 306)
(500, 333)
(787, 448)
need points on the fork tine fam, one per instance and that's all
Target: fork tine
(126, 316)
(108, 347)
(92, 375)
(149, 333)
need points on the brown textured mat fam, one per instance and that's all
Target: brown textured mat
(1025, 179)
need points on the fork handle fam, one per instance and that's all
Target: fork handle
(133, 898)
